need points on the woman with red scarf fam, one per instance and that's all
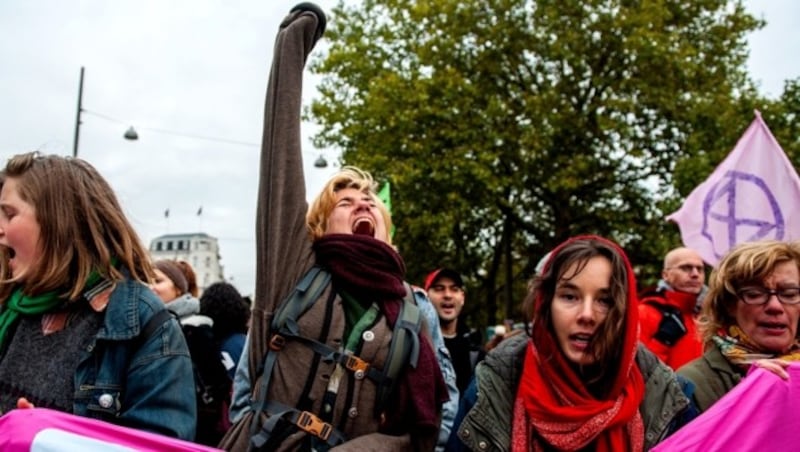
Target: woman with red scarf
(580, 381)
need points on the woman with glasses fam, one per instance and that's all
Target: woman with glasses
(750, 317)
(580, 380)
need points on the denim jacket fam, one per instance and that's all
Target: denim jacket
(139, 383)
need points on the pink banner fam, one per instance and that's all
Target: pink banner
(43, 430)
(754, 194)
(759, 414)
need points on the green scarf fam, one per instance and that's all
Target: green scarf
(20, 303)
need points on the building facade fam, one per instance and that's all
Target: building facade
(199, 249)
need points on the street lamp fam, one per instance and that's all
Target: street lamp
(320, 162)
(131, 134)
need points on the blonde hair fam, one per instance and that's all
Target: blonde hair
(82, 226)
(323, 204)
(745, 264)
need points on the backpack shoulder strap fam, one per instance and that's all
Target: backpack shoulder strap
(305, 293)
(155, 322)
(403, 348)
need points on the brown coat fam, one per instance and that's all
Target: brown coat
(284, 255)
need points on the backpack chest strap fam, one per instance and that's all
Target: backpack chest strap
(349, 361)
(302, 420)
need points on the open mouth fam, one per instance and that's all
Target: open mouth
(581, 340)
(364, 226)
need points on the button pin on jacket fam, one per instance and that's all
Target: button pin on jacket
(106, 400)
(368, 336)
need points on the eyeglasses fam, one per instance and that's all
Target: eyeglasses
(687, 268)
(760, 295)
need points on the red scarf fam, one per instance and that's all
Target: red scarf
(553, 405)
(372, 271)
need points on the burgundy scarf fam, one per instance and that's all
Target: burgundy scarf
(372, 271)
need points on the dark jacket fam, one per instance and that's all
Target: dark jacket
(487, 425)
(713, 377)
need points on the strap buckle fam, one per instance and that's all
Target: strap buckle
(314, 425)
(276, 342)
(356, 364)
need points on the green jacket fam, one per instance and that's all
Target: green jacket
(713, 377)
(487, 426)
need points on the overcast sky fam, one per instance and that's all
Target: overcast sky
(197, 68)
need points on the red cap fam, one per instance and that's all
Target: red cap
(443, 273)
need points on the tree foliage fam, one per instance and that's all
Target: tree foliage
(506, 126)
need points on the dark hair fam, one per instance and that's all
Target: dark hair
(542, 288)
(230, 312)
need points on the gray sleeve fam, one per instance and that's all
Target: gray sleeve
(240, 397)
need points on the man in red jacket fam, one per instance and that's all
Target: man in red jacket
(667, 312)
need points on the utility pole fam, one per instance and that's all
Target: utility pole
(78, 117)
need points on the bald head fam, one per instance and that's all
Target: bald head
(684, 270)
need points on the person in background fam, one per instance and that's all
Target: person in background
(172, 286)
(80, 332)
(579, 380)
(749, 318)
(445, 289)
(230, 314)
(667, 312)
(211, 380)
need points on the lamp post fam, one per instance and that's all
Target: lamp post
(78, 117)
(130, 134)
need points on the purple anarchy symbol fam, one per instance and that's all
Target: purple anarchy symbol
(726, 189)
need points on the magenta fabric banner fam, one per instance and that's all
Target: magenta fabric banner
(43, 430)
(759, 414)
(753, 194)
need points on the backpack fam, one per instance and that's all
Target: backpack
(403, 350)
(671, 327)
(212, 384)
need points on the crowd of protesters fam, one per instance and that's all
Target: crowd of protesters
(581, 376)
(337, 350)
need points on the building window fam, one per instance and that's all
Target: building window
(159, 246)
(208, 262)
(169, 245)
(180, 244)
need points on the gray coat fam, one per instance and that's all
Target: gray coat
(487, 426)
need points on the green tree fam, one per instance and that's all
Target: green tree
(506, 126)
